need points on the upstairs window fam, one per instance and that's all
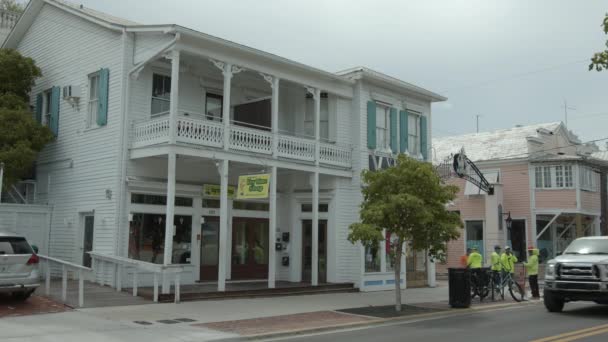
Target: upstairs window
(413, 134)
(161, 94)
(309, 117)
(46, 113)
(93, 104)
(588, 178)
(382, 128)
(213, 107)
(556, 176)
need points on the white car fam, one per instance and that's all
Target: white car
(19, 275)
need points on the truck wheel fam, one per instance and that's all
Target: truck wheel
(22, 296)
(553, 303)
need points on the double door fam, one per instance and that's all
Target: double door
(307, 251)
(249, 257)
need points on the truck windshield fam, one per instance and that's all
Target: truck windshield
(588, 246)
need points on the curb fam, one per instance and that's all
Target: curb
(375, 322)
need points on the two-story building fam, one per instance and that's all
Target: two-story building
(546, 190)
(154, 124)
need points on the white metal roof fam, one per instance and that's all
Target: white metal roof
(509, 143)
(96, 14)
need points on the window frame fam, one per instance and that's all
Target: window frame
(383, 132)
(587, 179)
(414, 148)
(561, 176)
(93, 103)
(216, 96)
(157, 98)
(47, 98)
(309, 117)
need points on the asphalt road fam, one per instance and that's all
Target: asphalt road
(579, 322)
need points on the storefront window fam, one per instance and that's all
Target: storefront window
(147, 238)
(160, 200)
(257, 206)
(545, 240)
(474, 234)
(391, 241)
(307, 208)
(372, 259)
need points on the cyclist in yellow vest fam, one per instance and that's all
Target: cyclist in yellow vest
(532, 270)
(475, 259)
(508, 260)
(496, 266)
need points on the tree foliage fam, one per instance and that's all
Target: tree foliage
(11, 5)
(21, 137)
(599, 61)
(409, 202)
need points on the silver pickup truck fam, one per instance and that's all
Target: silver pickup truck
(580, 273)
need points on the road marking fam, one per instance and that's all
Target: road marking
(574, 335)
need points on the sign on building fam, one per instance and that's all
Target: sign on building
(214, 191)
(253, 186)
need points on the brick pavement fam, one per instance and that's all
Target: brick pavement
(34, 305)
(266, 325)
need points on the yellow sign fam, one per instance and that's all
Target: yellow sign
(253, 186)
(214, 191)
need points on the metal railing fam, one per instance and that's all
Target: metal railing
(120, 264)
(65, 267)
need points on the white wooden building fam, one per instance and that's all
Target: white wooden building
(139, 112)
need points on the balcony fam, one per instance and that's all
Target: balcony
(205, 133)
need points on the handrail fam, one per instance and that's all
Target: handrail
(119, 263)
(64, 277)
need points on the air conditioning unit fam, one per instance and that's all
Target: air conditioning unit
(71, 92)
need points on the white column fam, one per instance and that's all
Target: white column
(315, 230)
(174, 97)
(227, 72)
(221, 273)
(274, 84)
(1, 179)
(317, 96)
(170, 213)
(272, 229)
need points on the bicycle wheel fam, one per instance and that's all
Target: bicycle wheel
(516, 291)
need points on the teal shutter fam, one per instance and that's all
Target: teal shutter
(394, 143)
(403, 133)
(102, 111)
(371, 125)
(423, 138)
(39, 108)
(54, 122)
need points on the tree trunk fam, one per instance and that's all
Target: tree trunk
(397, 266)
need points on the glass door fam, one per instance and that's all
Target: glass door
(307, 251)
(210, 238)
(87, 244)
(249, 248)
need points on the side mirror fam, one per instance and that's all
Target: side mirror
(35, 248)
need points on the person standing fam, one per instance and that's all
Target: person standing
(532, 269)
(464, 260)
(496, 266)
(508, 260)
(474, 260)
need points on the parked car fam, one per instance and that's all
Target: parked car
(19, 274)
(580, 273)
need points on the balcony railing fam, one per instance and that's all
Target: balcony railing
(243, 139)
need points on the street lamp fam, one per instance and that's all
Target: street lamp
(509, 220)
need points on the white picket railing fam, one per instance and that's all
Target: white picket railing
(65, 267)
(296, 148)
(200, 132)
(250, 140)
(245, 139)
(151, 132)
(120, 264)
(335, 155)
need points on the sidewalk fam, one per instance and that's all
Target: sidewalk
(225, 319)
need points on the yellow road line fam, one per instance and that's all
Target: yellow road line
(600, 329)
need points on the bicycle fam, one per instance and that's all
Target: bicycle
(506, 280)
(479, 283)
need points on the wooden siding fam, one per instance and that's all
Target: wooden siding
(590, 201)
(82, 162)
(555, 199)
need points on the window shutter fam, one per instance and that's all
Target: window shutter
(403, 132)
(39, 108)
(371, 125)
(54, 123)
(102, 111)
(394, 142)
(423, 138)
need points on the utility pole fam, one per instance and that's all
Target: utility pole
(477, 119)
(566, 111)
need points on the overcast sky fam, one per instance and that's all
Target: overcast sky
(510, 61)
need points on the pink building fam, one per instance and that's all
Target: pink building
(544, 179)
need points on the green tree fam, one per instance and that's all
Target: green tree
(599, 61)
(409, 202)
(21, 137)
(11, 5)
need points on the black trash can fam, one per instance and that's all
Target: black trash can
(459, 282)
